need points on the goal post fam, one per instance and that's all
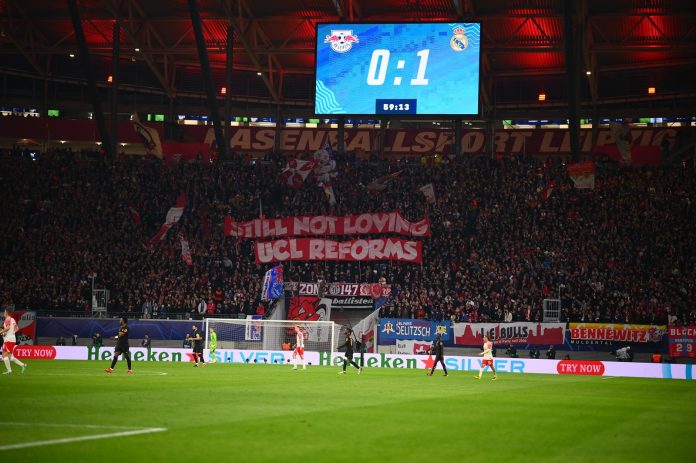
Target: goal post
(271, 335)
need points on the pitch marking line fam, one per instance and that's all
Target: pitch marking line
(68, 440)
(145, 373)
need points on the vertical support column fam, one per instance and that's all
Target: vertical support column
(207, 78)
(278, 130)
(490, 138)
(115, 56)
(91, 83)
(228, 84)
(571, 58)
(457, 142)
(340, 142)
(382, 138)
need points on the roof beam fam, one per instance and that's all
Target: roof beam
(249, 50)
(589, 58)
(457, 4)
(467, 7)
(130, 33)
(337, 4)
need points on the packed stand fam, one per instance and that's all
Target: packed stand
(623, 252)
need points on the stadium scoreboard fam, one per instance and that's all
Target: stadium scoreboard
(393, 69)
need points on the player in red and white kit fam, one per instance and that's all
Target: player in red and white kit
(299, 348)
(8, 331)
(487, 358)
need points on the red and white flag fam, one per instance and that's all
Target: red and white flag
(135, 215)
(185, 250)
(381, 184)
(149, 137)
(296, 172)
(546, 194)
(582, 174)
(429, 193)
(173, 216)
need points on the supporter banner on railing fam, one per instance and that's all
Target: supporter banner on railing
(311, 308)
(322, 249)
(262, 358)
(324, 225)
(374, 290)
(421, 330)
(26, 322)
(682, 341)
(471, 334)
(617, 332)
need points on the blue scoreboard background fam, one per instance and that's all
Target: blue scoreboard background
(407, 68)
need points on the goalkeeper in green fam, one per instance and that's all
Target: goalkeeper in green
(213, 346)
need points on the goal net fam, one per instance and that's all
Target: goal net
(271, 335)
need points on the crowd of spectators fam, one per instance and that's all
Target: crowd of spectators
(622, 252)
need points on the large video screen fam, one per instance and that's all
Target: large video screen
(406, 68)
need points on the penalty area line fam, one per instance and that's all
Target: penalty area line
(69, 440)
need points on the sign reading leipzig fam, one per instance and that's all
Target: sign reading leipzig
(417, 142)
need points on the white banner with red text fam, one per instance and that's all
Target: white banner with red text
(322, 225)
(322, 249)
(454, 363)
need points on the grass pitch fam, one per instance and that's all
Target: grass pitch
(172, 412)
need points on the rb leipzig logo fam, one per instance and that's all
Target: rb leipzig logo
(341, 40)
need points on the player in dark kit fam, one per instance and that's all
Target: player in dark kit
(122, 347)
(197, 341)
(348, 356)
(438, 349)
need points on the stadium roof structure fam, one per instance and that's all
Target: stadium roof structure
(625, 47)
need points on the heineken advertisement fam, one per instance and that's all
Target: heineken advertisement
(416, 362)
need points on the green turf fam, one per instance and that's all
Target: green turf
(268, 413)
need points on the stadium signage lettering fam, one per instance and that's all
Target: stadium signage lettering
(307, 249)
(682, 341)
(35, 352)
(424, 142)
(362, 224)
(383, 360)
(421, 330)
(617, 332)
(580, 367)
(374, 290)
(139, 355)
(471, 334)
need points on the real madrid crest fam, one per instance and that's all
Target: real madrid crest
(459, 42)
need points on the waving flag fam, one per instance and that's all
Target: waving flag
(582, 174)
(380, 184)
(429, 193)
(296, 172)
(173, 216)
(149, 137)
(546, 194)
(135, 215)
(273, 283)
(185, 251)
